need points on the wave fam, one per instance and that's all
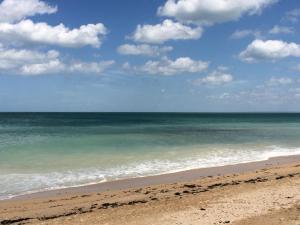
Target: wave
(15, 184)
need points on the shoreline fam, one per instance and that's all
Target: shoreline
(241, 194)
(166, 178)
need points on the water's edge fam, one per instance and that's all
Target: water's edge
(170, 177)
(47, 151)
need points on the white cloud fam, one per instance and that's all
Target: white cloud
(215, 78)
(15, 10)
(281, 30)
(208, 12)
(169, 67)
(90, 67)
(167, 30)
(269, 50)
(11, 59)
(274, 81)
(264, 96)
(293, 15)
(238, 34)
(143, 49)
(27, 31)
(31, 62)
(50, 67)
(56, 66)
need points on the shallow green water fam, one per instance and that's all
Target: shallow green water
(40, 151)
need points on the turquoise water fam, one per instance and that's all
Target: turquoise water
(42, 151)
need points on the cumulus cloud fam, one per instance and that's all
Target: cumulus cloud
(57, 66)
(143, 49)
(167, 67)
(209, 12)
(269, 50)
(281, 30)
(238, 34)
(28, 31)
(11, 59)
(31, 62)
(167, 30)
(50, 67)
(274, 81)
(15, 10)
(215, 78)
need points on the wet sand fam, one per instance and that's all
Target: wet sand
(266, 192)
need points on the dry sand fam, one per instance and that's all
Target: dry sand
(262, 193)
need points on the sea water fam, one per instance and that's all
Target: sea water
(43, 151)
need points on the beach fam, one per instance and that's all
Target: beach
(149, 168)
(165, 112)
(265, 192)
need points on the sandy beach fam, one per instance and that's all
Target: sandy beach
(266, 192)
(149, 112)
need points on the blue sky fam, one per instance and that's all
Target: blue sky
(142, 55)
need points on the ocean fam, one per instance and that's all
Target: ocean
(44, 151)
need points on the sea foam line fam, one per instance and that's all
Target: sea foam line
(144, 169)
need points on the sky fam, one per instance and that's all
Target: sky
(150, 56)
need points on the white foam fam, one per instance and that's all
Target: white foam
(14, 184)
